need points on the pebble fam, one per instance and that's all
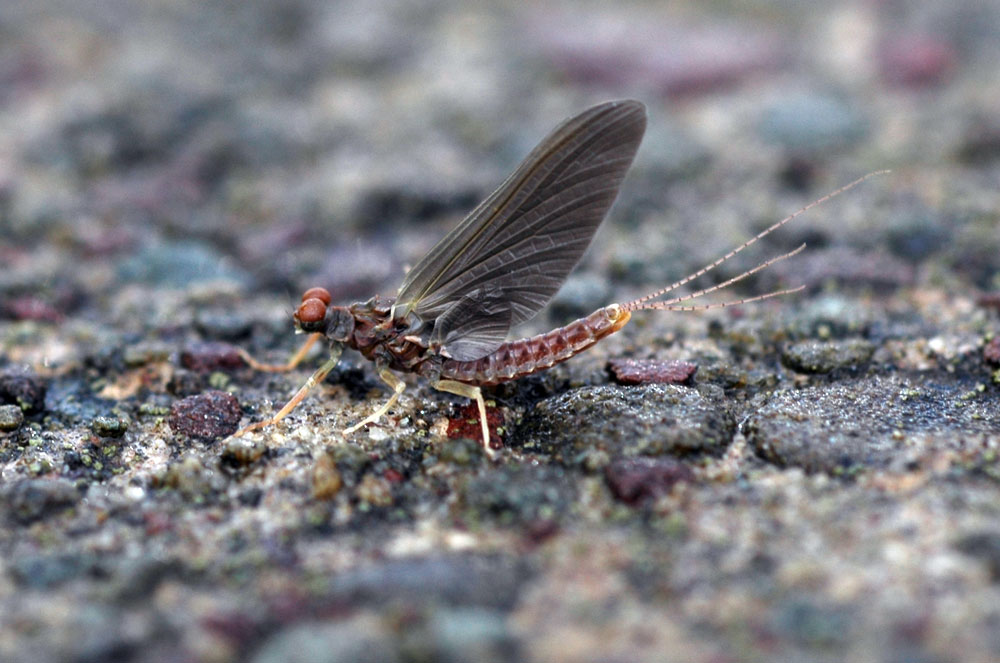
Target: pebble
(635, 480)
(211, 356)
(11, 418)
(917, 60)
(109, 426)
(991, 353)
(224, 324)
(648, 420)
(326, 480)
(243, 451)
(207, 416)
(827, 356)
(646, 371)
(24, 389)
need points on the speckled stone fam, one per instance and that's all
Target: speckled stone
(827, 356)
(871, 423)
(616, 421)
(207, 416)
(107, 426)
(11, 418)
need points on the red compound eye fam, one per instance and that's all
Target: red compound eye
(317, 293)
(311, 310)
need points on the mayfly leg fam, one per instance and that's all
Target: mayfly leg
(397, 387)
(475, 393)
(313, 380)
(294, 361)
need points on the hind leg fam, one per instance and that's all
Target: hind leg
(475, 393)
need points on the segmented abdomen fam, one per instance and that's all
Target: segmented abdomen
(525, 356)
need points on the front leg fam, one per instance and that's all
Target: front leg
(475, 393)
(397, 387)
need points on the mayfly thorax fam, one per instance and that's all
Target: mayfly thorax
(450, 319)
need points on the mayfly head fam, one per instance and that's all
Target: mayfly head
(316, 315)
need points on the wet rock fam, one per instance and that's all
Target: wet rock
(869, 423)
(208, 357)
(984, 546)
(207, 416)
(809, 123)
(24, 389)
(826, 357)
(113, 427)
(634, 480)
(646, 371)
(11, 418)
(31, 500)
(626, 421)
(519, 495)
(362, 638)
(492, 581)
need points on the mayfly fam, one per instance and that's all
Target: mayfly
(450, 319)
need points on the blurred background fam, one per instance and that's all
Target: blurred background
(274, 145)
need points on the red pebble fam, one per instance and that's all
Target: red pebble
(991, 353)
(208, 357)
(633, 480)
(207, 416)
(466, 425)
(645, 371)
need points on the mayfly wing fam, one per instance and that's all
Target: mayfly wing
(517, 247)
(472, 327)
